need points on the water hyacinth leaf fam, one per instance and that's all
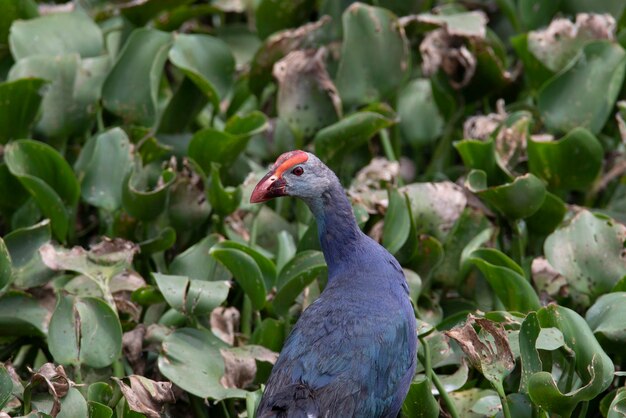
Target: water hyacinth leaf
(573, 162)
(28, 269)
(592, 365)
(588, 252)
(207, 61)
(22, 315)
(536, 13)
(481, 155)
(56, 34)
(267, 266)
(419, 402)
(84, 331)
(529, 356)
(506, 279)
(569, 101)
(139, 64)
(617, 409)
(102, 166)
(605, 318)
(428, 256)
(100, 392)
(19, 104)
(397, 226)
(612, 7)
(99, 410)
(195, 263)
(535, 72)
(143, 197)
(224, 200)
(6, 267)
(210, 145)
(191, 297)
(163, 240)
(349, 133)
(187, 206)
(70, 101)
(548, 216)
(274, 15)
(6, 386)
(307, 36)
(307, 98)
(9, 12)
(421, 122)
(48, 178)
(375, 57)
(516, 200)
(191, 359)
(246, 272)
(295, 276)
(141, 13)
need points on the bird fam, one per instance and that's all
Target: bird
(352, 352)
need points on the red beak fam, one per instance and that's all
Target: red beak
(268, 188)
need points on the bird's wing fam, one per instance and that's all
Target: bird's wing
(352, 357)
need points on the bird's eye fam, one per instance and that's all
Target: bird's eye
(298, 171)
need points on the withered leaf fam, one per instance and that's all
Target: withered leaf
(240, 364)
(225, 322)
(146, 396)
(55, 381)
(491, 354)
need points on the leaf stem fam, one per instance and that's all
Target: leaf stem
(387, 146)
(246, 316)
(505, 405)
(430, 374)
(199, 410)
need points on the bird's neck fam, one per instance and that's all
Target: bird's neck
(338, 231)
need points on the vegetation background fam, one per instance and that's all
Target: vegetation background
(481, 141)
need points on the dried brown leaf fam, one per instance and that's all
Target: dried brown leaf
(132, 347)
(441, 50)
(225, 322)
(240, 364)
(146, 396)
(55, 382)
(491, 355)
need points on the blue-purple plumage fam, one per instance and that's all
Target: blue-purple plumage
(352, 353)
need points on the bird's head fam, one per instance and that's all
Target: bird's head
(295, 173)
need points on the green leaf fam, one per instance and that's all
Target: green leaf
(207, 61)
(397, 226)
(140, 13)
(529, 356)
(295, 276)
(224, 200)
(419, 402)
(605, 318)
(588, 252)
(84, 331)
(6, 386)
(516, 200)
(192, 297)
(375, 56)
(191, 359)
(481, 155)
(70, 103)
(139, 64)
(618, 405)
(19, 104)
(98, 410)
(246, 272)
(210, 145)
(56, 34)
(194, 263)
(6, 268)
(548, 216)
(145, 197)
(274, 15)
(23, 245)
(573, 162)
(164, 240)
(102, 166)
(10, 11)
(267, 266)
(21, 314)
(348, 134)
(506, 279)
(537, 13)
(48, 178)
(421, 122)
(569, 100)
(591, 363)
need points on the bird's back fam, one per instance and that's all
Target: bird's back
(352, 353)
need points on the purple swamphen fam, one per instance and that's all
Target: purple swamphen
(352, 353)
